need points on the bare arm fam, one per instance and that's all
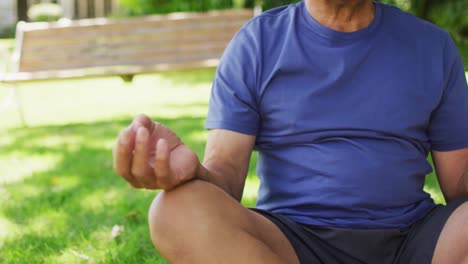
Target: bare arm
(227, 157)
(452, 172)
(150, 155)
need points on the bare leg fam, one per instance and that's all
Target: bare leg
(452, 246)
(199, 223)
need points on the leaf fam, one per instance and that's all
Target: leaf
(133, 215)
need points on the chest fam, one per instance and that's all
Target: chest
(371, 88)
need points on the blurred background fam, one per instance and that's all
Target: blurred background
(449, 14)
(60, 201)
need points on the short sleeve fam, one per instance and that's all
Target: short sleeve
(233, 104)
(448, 129)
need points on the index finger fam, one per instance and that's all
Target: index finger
(142, 121)
(123, 153)
(161, 166)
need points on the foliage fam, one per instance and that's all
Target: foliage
(453, 16)
(45, 12)
(144, 7)
(7, 31)
(268, 4)
(449, 14)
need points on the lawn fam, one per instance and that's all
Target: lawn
(59, 197)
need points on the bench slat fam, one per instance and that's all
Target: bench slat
(194, 34)
(131, 22)
(120, 59)
(105, 71)
(96, 47)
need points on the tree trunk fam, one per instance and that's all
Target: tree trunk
(22, 10)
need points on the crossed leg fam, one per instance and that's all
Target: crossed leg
(199, 223)
(452, 246)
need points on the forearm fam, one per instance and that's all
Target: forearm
(452, 172)
(463, 186)
(221, 178)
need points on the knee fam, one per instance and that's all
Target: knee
(459, 218)
(173, 213)
(451, 246)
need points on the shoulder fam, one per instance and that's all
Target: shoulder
(273, 19)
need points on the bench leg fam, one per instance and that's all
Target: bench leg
(16, 96)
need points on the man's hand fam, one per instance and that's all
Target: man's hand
(150, 155)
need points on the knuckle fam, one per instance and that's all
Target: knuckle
(121, 171)
(142, 120)
(140, 116)
(152, 127)
(148, 182)
(141, 174)
(136, 172)
(156, 126)
(134, 185)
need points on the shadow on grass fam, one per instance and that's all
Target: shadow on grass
(74, 203)
(79, 197)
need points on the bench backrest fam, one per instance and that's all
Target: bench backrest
(169, 39)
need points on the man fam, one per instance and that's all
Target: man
(343, 100)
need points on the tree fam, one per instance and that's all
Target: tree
(22, 10)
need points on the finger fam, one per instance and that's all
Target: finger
(164, 132)
(140, 169)
(161, 166)
(123, 156)
(141, 121)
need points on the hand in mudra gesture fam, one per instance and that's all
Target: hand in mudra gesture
(150, 155)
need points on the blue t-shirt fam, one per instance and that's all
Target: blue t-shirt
(343, 121)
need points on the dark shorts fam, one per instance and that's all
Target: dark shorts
(329, 245)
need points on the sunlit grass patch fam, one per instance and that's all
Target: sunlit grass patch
(18, 167)
(59, 196)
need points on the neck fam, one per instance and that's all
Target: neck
(342, 15)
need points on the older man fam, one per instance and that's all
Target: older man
(343, 101)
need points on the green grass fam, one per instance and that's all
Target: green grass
(58, 194)
(7, 44)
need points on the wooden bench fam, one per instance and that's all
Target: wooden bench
(121, 47)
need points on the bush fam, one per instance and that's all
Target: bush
(7, 31)
(45, 12)
(452, 16)
(145, 7)
(268, 4)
